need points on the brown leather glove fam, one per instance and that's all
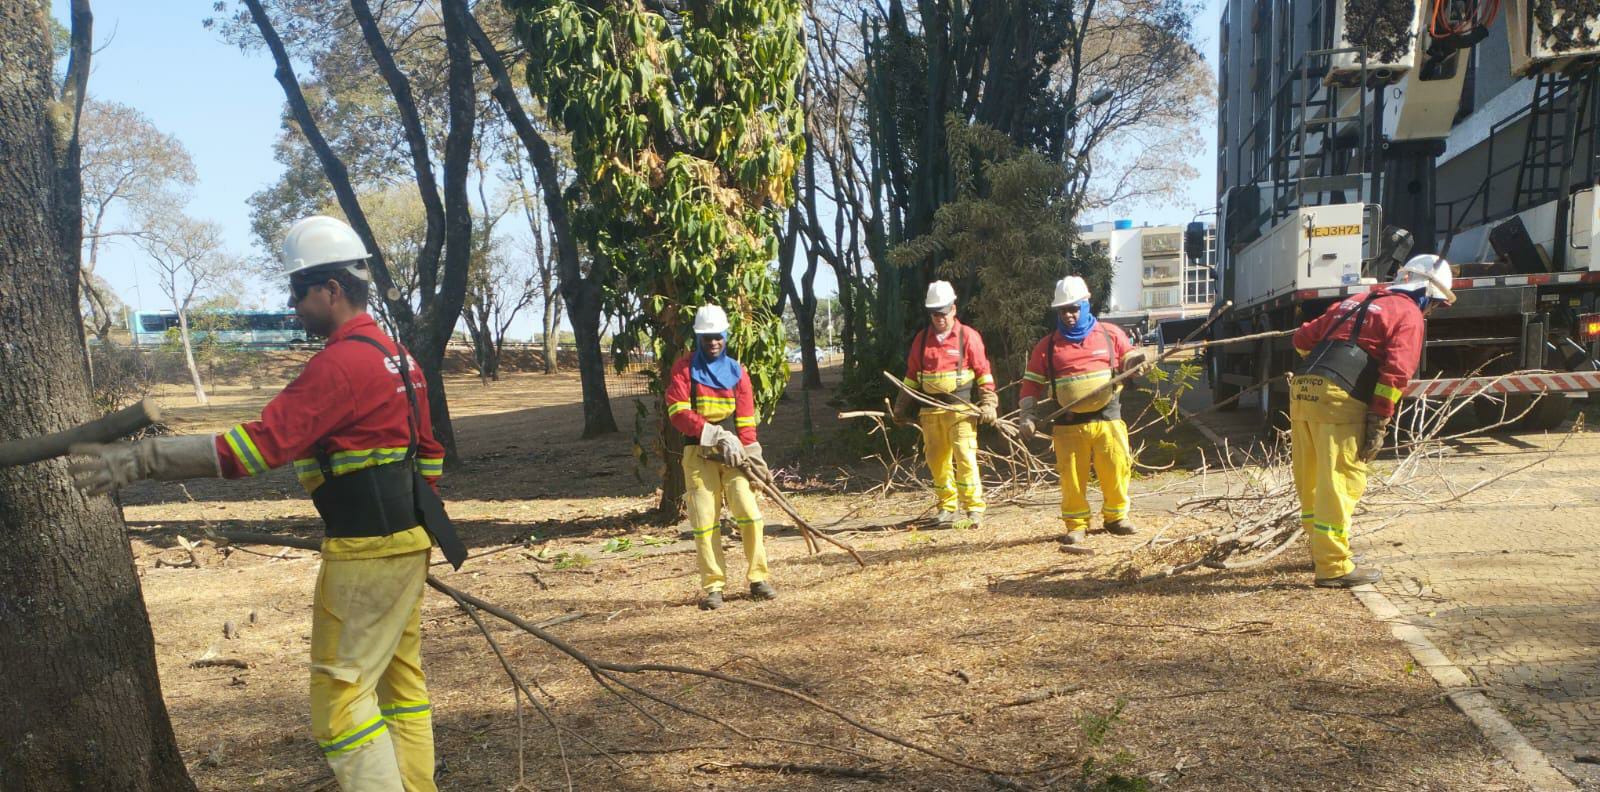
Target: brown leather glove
(988, 406)
(904, 407)
(756, 464)
(104, 468)
(1027, 421)
(1377, 431)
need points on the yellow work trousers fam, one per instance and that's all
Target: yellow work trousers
(951, 441)
(708, 485)
(370, 711)
(1326, 425)
(1103, 447)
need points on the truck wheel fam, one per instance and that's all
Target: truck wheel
(1548, 413)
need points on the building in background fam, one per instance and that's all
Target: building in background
(1158, 276)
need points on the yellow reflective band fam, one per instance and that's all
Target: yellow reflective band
(986, 380)
(1331, 530)
(1386, 392)
(1104, 373)
(355, 738)
(676, 407)
(1123, 510)
(909, 382)
(746, 520)
(430, 467)
(407, 710)
(716, 401)
(1084, 513)
(1031, 376)
(706, 530)
(244, 449)
(745, 420)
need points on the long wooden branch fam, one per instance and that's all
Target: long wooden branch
(810, 533)
(119, 424)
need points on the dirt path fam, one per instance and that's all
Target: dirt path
(991, 645)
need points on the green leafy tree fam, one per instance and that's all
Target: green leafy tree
(686, 132)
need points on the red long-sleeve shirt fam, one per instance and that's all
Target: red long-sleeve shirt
(1392, 334)
(947, 366)
(349, 401)
(1079, 365)
(690, 404)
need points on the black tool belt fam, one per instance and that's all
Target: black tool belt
(374, 501)
(954, 398)
(1344, 364)
(1111, 412)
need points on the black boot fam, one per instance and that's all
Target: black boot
(712, 601)
(762, 590)
(1360, 576)
(1122, 527)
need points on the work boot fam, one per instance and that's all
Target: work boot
(1359, 576)
(1122, 527)
(946, 519)
(712, 601)
(762, 590)
(1073, 537)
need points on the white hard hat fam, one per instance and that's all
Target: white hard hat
(1070, 291)
(941, 295)
(1426, 272)
(710, 320)
(320, 240)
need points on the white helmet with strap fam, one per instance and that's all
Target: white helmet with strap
(710, 320)
(318, 241)
(1429, 272)
(1070, 290)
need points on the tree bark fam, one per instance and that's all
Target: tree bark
(581, 294)
(80, 680)
(552, 328)
(188, 357)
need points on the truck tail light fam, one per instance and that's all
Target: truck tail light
(1589, 327)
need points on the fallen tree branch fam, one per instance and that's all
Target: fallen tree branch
(119, 424)
(831, 771)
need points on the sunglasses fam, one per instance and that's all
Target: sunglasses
(298, 289)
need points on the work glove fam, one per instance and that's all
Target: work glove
(988, 406)
(724, 444)
(1025, 417)
(1372, 440)
(107, 467)
(756, 463)
(1134, 359)
(904, 407)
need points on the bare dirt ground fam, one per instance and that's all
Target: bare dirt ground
(990, 645)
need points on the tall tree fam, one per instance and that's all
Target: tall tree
(188, 258)
(80, 679)
(686, 131)
(582, 281)
(131, 171)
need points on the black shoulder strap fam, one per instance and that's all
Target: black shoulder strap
(922, 349)
(411, 391)
(1361, 317)
(1050, 362)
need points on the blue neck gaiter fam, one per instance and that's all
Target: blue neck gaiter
(1079, 330)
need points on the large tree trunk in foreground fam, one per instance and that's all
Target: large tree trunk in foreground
(79, 688)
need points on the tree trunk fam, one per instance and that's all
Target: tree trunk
(582, 296)
(80, 680)
(672, 442)
(188, 358)
(552, 328)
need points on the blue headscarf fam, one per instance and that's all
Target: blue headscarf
(1420, 296)
(1078, 330)
(721, 372)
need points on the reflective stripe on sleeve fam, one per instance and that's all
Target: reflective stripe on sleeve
(245, 450)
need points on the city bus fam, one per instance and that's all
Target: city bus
(248, 328)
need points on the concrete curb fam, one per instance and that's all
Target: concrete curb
(1529, 761)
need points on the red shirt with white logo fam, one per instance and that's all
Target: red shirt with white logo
(949, 364)
(1099, 353)
(690, 404)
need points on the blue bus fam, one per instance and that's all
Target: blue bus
(248, 328)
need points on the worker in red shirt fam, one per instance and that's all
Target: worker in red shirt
(1072, 366)
(948, 365)
(355, 424)
(710, 400)
(1343, 397)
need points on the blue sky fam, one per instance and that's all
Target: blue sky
(224, 105)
